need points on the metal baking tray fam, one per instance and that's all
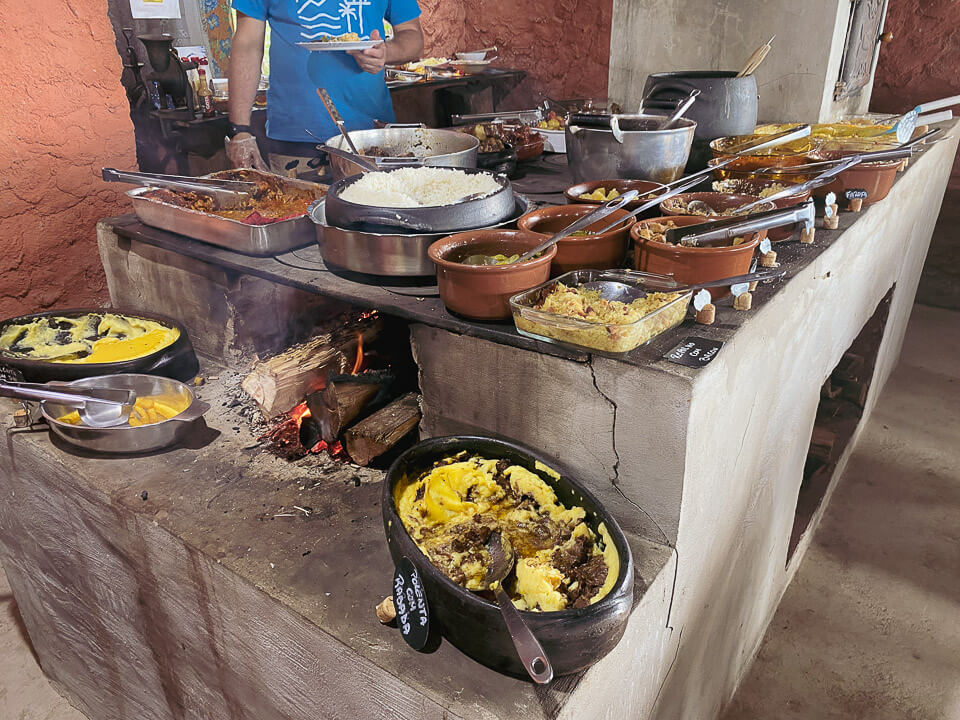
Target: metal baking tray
(258, 240)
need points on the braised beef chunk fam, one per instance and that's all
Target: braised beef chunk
(590, 575)
(472, 537)
(529, 537)
(501, 479)
(421, 491)
(567, 558)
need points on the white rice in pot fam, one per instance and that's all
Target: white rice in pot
(418, 187)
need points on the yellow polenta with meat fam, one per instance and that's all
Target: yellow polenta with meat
(90, 338)
(452, 509)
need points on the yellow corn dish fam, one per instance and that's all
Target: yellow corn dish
(451, 511)
(146, 410)
(91, 338)
(600, 195)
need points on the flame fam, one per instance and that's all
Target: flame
(298, 413)
(358, 361)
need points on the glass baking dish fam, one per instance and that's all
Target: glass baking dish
(608, 338)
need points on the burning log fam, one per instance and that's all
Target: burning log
(342, 400)
(373, 436)
(281, 382)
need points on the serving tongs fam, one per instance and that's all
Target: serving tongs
(904, 151)
(634, 284)
(225, 193)
(719, 232)
(363, 161)
(822, 179)
(97, 407)
(338, 120)
(680, 185)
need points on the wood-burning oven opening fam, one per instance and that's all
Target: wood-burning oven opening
(350, 391)
(842, 399)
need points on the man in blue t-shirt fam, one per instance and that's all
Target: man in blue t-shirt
(355, 79)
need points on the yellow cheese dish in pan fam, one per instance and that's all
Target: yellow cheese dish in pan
(91, 338)
(451, 510)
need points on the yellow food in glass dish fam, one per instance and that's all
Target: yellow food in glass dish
(91, 338)
(451, 510)
(146, 410)
(583, 317)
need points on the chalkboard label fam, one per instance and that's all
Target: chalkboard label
(855, 194)
(410, 600)
(694, 352)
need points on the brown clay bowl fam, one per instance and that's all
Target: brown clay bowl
(482, 292)
(644, 187)
(876, 178)
(583, 252)
(530, 150)
(690, 264)
(755, 186)
(720, 201)
(741, 169)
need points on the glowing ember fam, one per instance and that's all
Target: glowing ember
(298, 413)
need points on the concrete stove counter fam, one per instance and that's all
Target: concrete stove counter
(701, 467)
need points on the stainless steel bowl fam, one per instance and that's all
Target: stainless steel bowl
(390, 254)
(630, 150)
(125, 439)
(438, 148)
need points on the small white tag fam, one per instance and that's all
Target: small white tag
(828, 210)
(765, 246)
(700, 299)
(739, 289)
(831, 198)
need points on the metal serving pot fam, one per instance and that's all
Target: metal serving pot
(632, 149)
(437, 148)
(573, 639)
(125, 439)
(727, 105)
(390, 254)
(463, 215)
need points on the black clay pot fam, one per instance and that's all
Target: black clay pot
(727, 105)
(572, 639)
(177, 360)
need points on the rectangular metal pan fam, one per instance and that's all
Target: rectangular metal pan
(257, 240)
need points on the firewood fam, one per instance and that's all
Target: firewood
(335, 407)
(281, 382)
(373, 436)
(821, 444)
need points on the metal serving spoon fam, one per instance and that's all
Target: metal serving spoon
(682, 107)
(97, 407)
(531, 653)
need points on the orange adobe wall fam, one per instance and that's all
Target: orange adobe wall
(921, 62)
(564, 45)
(65, 116)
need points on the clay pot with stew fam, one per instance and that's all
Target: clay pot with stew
(692, 264)
(482, 292)
(596, 252)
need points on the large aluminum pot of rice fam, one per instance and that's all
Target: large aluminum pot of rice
(424, 199)
(631, 149)
(392, 147)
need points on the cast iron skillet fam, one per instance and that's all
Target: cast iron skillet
(176, 360)
(573, 639)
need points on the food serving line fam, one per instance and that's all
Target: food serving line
(223, 578)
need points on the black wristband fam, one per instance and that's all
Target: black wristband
(235, 130)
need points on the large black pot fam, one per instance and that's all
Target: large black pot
(177, 360)
(572, 639)
(727, 105)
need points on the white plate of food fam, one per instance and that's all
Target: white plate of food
(339, 43)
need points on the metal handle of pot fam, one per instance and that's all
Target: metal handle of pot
(803, 213)
(588, 219)
(664, 86)
(417, 126)
(392, 218)
(197, 409)
(531, 653)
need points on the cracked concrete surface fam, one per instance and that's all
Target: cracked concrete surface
(868, 629)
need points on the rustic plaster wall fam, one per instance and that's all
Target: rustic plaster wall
(920, 63)
(65, 116)
(564, 45)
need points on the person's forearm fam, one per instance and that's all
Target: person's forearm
(406, 45)
(245, 61)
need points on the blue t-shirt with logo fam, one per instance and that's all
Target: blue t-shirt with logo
(295, 73)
